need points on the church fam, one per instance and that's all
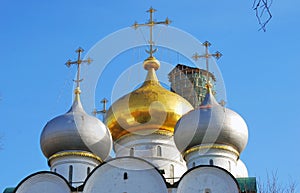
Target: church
(177, 140)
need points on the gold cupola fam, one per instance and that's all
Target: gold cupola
(148, 109)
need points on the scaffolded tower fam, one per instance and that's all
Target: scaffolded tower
(189, 82)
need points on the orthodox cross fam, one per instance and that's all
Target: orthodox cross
(103, 111)
(196, 56)
(151, 23)
(78, 62)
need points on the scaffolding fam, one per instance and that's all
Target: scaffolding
(190, 83)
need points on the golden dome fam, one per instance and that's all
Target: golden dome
(148, 109)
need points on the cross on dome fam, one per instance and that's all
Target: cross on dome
(196, 56)
(151, 23)
(103, 111)
(78, 62)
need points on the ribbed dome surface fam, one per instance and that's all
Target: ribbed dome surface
(211, 124)
(76, 131)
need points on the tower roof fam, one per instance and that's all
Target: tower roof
(76, 131)
(150, 108)
(211, 125)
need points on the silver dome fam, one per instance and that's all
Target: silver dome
(211, 124)
(76, 131)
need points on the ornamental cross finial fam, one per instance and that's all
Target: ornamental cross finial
(103, 111)
(151, 23)
(78, 62)
(196, 56)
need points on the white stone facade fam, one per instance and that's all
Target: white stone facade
(159, 150)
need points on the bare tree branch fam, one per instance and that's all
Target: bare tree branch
(291, 187)
(262, 12)
(273, 185)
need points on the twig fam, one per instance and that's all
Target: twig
(261, 8)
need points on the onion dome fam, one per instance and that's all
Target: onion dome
(76, 131)
(211, 126)
(148, 109)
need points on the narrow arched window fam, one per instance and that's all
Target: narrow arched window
(131, 153)
(125, 176)
(55, 170)
(172, 173)
(211, 162)
(70, 174)
(229, 165)
(88, 171)
(194, 164)
(159, 151)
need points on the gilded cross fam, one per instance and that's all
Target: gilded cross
(78, 62)
(103, 111)
(196, 56)
(151, 23)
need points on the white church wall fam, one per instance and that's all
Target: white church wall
(74, 169)
(160, 150)
(45, 182)
(241, 169)
(207, 179)
(127, 174)
(216, 157)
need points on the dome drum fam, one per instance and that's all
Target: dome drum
(158, 149)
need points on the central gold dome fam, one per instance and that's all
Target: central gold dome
(148, 109)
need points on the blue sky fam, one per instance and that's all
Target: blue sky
(260, 71)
